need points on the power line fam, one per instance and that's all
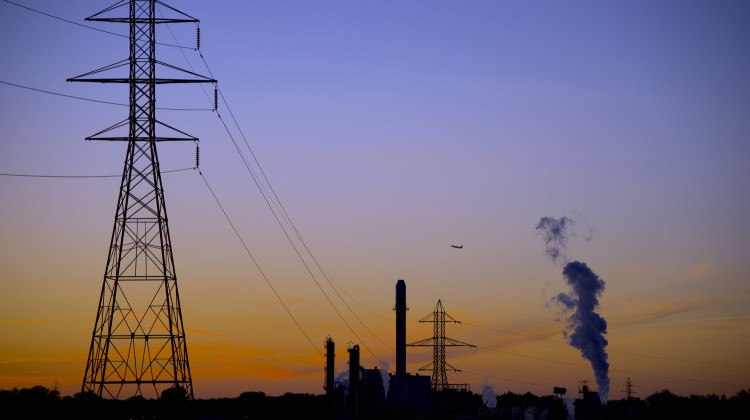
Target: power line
(651, 356)
(62, 94)
(268, 282)
(272, 201)
(276, 202)
(280, 207)
(670, 378)
(503, 379)
(708, 339)
(94, 100)
(81, 176)
(107, 176)
(561, 362)
(609, 350)
(82, 25)
(102, 176)
(527, 356)
(265, 197)
(496, 310)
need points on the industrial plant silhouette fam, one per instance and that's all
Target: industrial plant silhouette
(417, 394)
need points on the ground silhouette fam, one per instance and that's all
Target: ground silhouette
(39, 402)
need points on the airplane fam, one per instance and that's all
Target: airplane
(457, 246)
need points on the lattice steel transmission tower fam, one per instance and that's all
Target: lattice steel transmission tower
(138, 346)
(629, 389)
(439, 342)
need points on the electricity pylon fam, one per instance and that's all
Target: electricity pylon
(629, 389)
(439, 342)
(138, 346)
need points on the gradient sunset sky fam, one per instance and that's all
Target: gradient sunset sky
(391, 130)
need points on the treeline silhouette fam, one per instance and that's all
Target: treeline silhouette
(666, 405)
(658, 406)
(39, 402)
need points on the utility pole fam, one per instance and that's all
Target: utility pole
(138, 345)
(439, 342)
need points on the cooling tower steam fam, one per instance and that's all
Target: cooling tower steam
(384, 369)
(343, 378)
(585, 328)
(554, 233)
(489, 396)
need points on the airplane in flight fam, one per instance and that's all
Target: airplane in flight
(457, 246)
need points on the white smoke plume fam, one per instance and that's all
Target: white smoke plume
(488, 394)
(343, 377)
(586, 329)
(384, 369)
(555, 235)
(571, 407)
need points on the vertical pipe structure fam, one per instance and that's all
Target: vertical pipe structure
(138, 346)
(401, 309)
(330, 376)
(354, 383)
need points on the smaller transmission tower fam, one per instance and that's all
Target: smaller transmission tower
(629, 389)
(439, 342)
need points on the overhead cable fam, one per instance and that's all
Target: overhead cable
(346, 323)
(94, 100)
(579, 365)
(610, 350)
(282, 210)
(82, 176)
(263, 274)
(279, 209)
(85, 26)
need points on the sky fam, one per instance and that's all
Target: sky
(391, 130)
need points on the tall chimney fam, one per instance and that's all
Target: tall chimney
(401, 341)
(330, 386)
(354, 386)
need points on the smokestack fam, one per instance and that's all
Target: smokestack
(330, 386)
(354, 379)
(401, 341)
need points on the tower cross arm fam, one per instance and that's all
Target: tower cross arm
(202, 78)
(429, 366)
(427, 342)
(199, 78)
(140, 20)
(449, 342)
(432, 317)
(99, 16)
